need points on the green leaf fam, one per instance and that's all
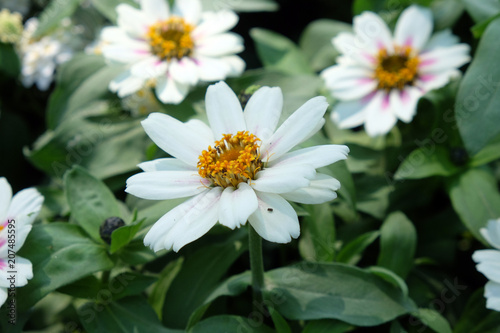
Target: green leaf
(129, 284)
(129, 315)
(478, 98)
(360, 6)
(276, 52)
(229, 324)
(488, 154)
(398, 242)
(88, 288)
(479, 28)
(334, 291)
(123, 235)
(317, 242)
(53, 14)
(198, 277)
(351, 252)
(9, 61)
(433, 319)
(280, 324)
(91, 202)
(136, 253)
(61, 254)
(241, 6)
(476, 318)
(481, 10)
(475, 197)
(167, 275)
(390, 277)
(316, 42)
(108, 8)
(424, 162)
(446, 13)
(327, 326)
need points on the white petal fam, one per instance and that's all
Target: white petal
(220, 45)
(162, 185)
(492, 295)
(283, 179)
(404, 103)
(26, 202)
(355, 49)
(444, 38)
(321, 189)
(379, 116)
(488, 263)
(431, 81)
(297, 127)
(373, 32)
(444, 59)
(184, 71)
(349, 114)
(275, 220)
(213, 23)
(24, 273)
(150, 67)
(170, 91)
(237, 205)
(155, 10)
(317, 156)
(349, 82)
(166, 164)
(116, 35)
(132, 20)
(5, 198)
(175, 137)
(492, 233)
(126, 84)
(212, 69)
(125, 53)
(190, 10)
(3, 296)
(414, 27)
(236, 64)
(223, 110)
(263, 111)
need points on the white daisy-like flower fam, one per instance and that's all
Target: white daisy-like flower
(172, 49)
(488, 263)
(379, 78)
(41, 56)
(16, 217)
(238, 169)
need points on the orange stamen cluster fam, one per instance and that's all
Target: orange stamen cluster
(171, 38)
(234, 159)
(396, 70)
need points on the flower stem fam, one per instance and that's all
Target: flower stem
(256, 264)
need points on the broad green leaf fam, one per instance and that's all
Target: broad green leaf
(9, 60)
(398, 242)
(122, 236)
(198, 277)
(129, 284)
(279, 322)
(390, 277)
(228, 324)
(87, 288)
(136, 253)
(478, 98)
(334, 291)
(475, 318)
(475, 197)
(318, 239)
(276, 52)
(53, 14)
(481, 10)
(360, 6)
(433, 319)
(108, 8)
(316, 42)
(167, 275)
(479, 28)
(241, 6)
(351, 252)
(446, 13)
(373, 195)
(91, 202)
(61, 254)
(128, 315)
(425, 162)
(327, 326)
(488, 154)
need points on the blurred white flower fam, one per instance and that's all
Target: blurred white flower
(172, 49)
(238, 169)
(11, 26)
(20, 6)
(19, 212)
(41, 56)
(380, 77)
(141, 102)
(488, 263)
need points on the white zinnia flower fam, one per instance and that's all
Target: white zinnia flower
(173, 50)
(21, 210)
(239, 169)
(40, 57)
(488, 263)
(380, 77)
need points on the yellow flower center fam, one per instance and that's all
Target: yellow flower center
(396, 70)
(234, 159)
(171, 38)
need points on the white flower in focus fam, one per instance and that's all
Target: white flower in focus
(238, 169)
(21, 210)
(141, 103)
(488, 263)
(379, 78)
(40, 57)
(172, 49)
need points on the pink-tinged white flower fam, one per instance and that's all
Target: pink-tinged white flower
(16, 217)
(172, 49)
(488, 263)
(379, 77)
(237, 170)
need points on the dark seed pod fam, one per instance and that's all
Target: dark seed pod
(245, 95)
(108, 226)
(459, 156)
